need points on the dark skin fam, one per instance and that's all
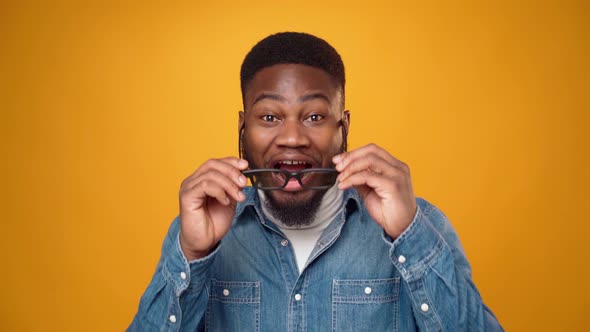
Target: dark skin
(292, 112)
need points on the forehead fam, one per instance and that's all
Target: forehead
(291, 81)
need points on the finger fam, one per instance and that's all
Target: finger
(216, 192)
(238, 163)
(233, 190)
(199, 192)
(343, 159)
(377, 182)
(372, 162)
(369, 148)
(231, 167)
(207, 184)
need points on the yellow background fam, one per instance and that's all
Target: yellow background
(107, 107)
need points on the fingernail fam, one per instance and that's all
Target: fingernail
(336, 159)
(242, 180)
(241, 195)
(243, 163)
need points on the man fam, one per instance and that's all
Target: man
(327, 239)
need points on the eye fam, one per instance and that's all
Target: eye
(269, 118)
(315, 117)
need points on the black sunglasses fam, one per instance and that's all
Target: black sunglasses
(275, 179)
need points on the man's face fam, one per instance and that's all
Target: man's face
(292, 121)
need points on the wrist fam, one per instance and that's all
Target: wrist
(192, 254)
(395, 228)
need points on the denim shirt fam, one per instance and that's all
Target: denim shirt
(356, 279)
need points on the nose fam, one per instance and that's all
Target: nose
(292, 134)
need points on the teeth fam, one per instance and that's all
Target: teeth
(293, 162)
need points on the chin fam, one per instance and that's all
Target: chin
(296, 208)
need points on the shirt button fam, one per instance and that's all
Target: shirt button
(368, 290)
(297, 297)
(284, 242)
(401, 259)
(226, 292)
(424, 307)
(172, 319)
(182, 275)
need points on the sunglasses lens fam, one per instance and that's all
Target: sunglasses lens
(277, 179)
(318, 179)
(267, 179)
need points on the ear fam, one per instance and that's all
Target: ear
(240, 131)
(240, 121)
(346, 120)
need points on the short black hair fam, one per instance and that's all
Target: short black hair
(292, 48)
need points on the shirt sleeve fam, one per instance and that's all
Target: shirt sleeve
(176, 298)
(433, 264)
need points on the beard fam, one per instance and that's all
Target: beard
(294, 212)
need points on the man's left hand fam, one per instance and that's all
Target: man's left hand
(384, 184)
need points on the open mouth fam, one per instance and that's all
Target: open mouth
(291, 166)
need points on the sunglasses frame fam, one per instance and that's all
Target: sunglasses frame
(290, 175)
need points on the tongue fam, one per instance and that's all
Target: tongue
(293, 184)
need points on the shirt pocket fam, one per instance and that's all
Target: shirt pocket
(365, 304)
(233, 306)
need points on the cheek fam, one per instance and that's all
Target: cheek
(257, 142)
(259, 139)
(328, 142)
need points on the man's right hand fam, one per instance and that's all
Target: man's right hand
(208, 200)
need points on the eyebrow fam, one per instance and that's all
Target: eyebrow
(302, 99)
(317, 95)
(268, 96)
